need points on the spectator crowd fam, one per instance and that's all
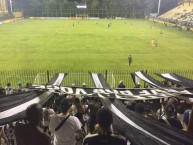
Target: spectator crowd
(83, 120)
(77, 120)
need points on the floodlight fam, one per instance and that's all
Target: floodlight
(81, 6)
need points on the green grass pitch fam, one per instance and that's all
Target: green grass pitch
(91, 45)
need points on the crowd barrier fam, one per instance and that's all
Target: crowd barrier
(78, 77)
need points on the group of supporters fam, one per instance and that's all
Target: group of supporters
(171, 112)
(82, 120)
(69, 121)
(74, 121)
(180, 19)
(9, 89)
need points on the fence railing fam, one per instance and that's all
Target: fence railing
(78, 77)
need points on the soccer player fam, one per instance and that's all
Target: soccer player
(130, 59)
(156, 43)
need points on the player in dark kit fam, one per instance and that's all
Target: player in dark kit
(130, 59)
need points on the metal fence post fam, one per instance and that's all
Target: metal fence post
(48, 75)
(144, 81)
(106, 74)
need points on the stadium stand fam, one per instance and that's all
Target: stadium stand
(182, 15)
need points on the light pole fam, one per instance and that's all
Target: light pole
(158, 7)
(11, 8)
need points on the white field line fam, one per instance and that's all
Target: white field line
(128, 54)
(188, 56)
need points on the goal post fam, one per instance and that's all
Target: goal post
(40, 78)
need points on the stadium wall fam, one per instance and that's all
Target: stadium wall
(73, 13)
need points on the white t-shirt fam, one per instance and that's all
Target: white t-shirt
(180, 117)
(8, 90)
(66, 134)
(46, 114)
(74, 109)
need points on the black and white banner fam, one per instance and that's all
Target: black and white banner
(57, 79)
(177, 79)
(99, 81)
(145, 77)
(103, 87)
(13, 106)
(142, 131)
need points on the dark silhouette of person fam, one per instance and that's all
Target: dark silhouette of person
(104, 136)
(31, 133)
(121, 84)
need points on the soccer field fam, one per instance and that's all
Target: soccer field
(91, 44)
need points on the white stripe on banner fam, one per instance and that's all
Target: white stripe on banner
(59, 79)
(126, 119)
(18, 109)
(170, 77)
(39, 86)
(97, 81)
(140, 75)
